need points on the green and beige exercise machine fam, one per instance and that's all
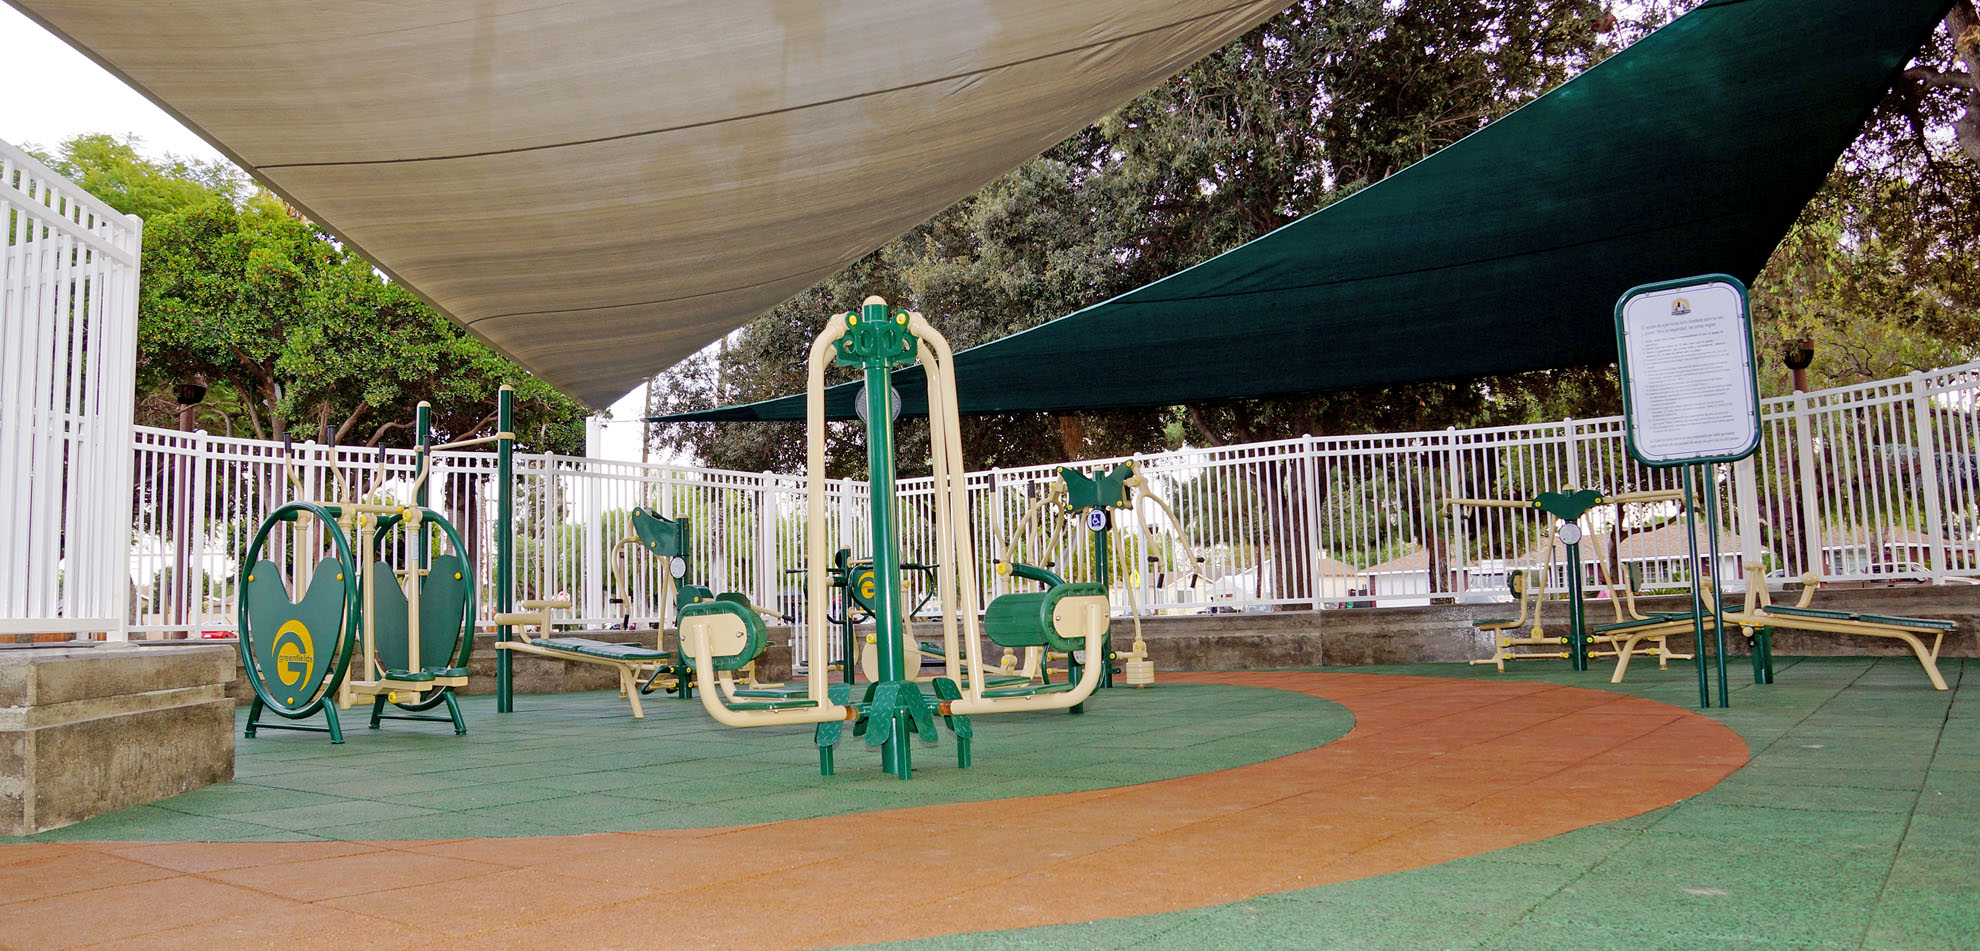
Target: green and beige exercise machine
(893, 709)
(1759, 616)
(1094, 502)
(363, 628)
(641, 670)
(1524, 637)
(532, 627)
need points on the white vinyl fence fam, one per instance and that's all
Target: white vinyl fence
(1887, 474)
(68, 339)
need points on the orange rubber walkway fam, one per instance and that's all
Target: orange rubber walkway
(1434, 770)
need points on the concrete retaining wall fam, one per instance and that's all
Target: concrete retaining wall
(1441, 633)
(88, 730)
(1350, 637)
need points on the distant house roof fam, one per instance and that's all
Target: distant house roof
(1333, 567)
(1856, 536)
(1669, 541)
(1418, 560)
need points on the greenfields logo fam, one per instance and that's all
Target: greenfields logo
(295, 653)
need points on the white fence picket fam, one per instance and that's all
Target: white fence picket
(1317, 521)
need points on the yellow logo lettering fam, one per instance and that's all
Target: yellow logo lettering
(294, 653)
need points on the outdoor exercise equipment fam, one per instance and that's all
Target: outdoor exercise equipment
(853, 582)
(1633, 633)
(1094, 502)
(1758, 616)
(893, 707)
(1528, 587)
(410, 640)
(641, 670)
(1032, 619)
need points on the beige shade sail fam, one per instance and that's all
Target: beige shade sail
(599, 188)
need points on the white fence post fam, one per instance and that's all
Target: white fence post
(593, 537)
(1804, 460)
(1747, 504)
(195, 574)
(1571, 446)
(1309, 467)
(1928, 475)
(767, 565)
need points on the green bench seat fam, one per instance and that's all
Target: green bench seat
(605, 649)
(1029, 691)
(773, 693)
(1659, 618)
(773, 705)
(1927, 623)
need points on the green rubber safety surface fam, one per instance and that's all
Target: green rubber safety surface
(566, 764)
(1856, 825)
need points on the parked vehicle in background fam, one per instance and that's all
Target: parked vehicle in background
(1891, 574)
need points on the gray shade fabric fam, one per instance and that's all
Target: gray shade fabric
(599, 188)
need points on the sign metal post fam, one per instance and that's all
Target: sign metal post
(1691, 400)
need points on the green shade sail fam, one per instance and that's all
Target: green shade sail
(1690, 152)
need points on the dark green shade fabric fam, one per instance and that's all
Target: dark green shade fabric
(1689, 153)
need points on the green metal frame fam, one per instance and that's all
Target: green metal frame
(325, 689)
(877, 342)
(1569, 507)
(463, 649)
(1094, 498)
(505, 546)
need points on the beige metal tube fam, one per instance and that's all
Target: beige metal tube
(1648, 495)
(942, 391)
(817, 586)
(816, 589)
(477, 441)
(1488, 503)
(711, 697)
(1089, 678)
(415, 580)
(1022, 530)
(939, 421)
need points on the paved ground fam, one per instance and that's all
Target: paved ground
(1857, 824)
(577, 763)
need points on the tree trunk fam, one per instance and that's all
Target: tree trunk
(344, 429)
(1964, 24)
(1072, 435)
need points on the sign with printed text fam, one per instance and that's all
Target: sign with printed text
(1690, 395)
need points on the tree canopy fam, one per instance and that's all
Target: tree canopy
(1319, 102)
(290, 331)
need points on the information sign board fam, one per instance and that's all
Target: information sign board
(1689, 391)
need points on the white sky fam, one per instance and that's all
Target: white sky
(92, 100)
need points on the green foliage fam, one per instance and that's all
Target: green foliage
(288, 328)
(110, 168)
(1881, 273)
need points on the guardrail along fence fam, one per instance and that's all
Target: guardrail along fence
(1879, 481)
